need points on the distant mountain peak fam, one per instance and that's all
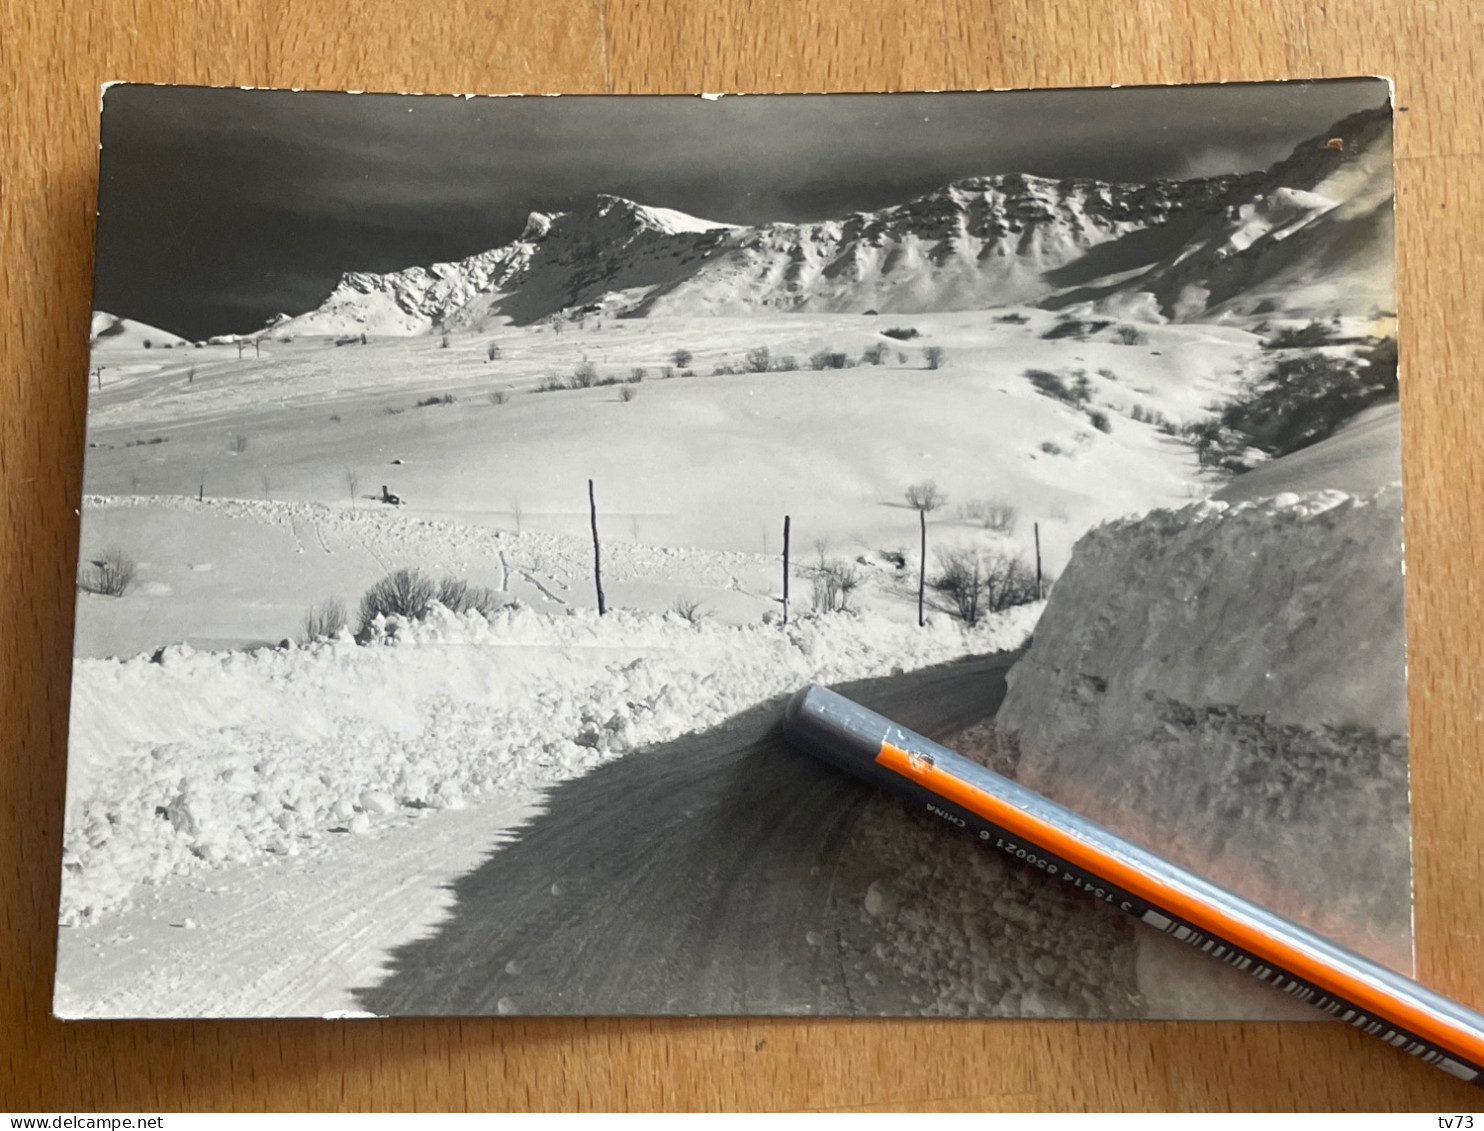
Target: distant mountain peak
(1163, 248)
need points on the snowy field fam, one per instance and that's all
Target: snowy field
(693, 475)
(219, 759)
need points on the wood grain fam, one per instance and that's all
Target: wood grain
(53, 56)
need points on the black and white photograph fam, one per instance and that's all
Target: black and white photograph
(470, 482)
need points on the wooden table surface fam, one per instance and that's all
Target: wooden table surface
(53, 56)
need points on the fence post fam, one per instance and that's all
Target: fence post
(785, 570)
(1039, 593)
(597, 550)
(922, 565)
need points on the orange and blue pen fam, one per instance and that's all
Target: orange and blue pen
(1069, 848)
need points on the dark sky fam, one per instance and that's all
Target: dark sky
(220, 207)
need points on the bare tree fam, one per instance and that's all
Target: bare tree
(352, 484)
(681, 358)
(923, 497)
(935, 356)
(517, 512)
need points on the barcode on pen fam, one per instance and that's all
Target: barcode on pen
(1303, 991)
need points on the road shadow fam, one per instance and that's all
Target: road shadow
(695, 876)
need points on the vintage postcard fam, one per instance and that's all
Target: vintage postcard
(470, 481)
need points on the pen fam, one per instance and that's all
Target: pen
(1071, 849)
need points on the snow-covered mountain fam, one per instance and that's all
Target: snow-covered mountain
(109, 331)
(1309, 236)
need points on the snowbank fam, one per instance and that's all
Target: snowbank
(211, 757)
(1227, 684)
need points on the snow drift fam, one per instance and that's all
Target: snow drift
(204, 758)
(1151, 700)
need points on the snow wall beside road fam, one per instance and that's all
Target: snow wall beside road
(1226, 684)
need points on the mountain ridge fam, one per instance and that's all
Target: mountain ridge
(1308, 237)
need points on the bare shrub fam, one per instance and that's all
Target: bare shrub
(961, 578)
(585, 376)
(667, 372)
(759, 359)
(112, 575)
(827, 359)
(627, 393)
(875, 354)
(637, 374)
(550, 385)
(681, 358)
(723, 370)
(323, 621)
(935, 356)
(492, 351)
(1051, 448)
(925, 496)
(1075, 328)
(1055, 385)
(443, 341)
(458, 596)
(1130, 336)
(391, 410)
(446, 398)
(403, 593)
(497, 396)
(236, 443)
(1012, 319)
(785, 363)
(1008, 581)
(833, 584)
(1099, 420)
(995, 514)
(978, 583)
(1316, 333)
(690, 611)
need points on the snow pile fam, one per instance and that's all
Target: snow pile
(1226, 683)
(210, 757)
(977, 935)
